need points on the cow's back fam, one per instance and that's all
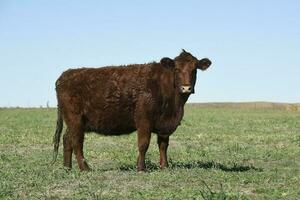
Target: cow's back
(104, 98)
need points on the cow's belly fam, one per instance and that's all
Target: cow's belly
(111, 131)
(110, 116)
(110, 128)
(110, 122)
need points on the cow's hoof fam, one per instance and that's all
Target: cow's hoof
(84, 166)
(67, 169)
(141, 170)
(164, 165)
(86, 169)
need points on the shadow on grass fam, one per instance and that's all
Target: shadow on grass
(193, 165)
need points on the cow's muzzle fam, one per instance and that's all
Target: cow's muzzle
(187, 89)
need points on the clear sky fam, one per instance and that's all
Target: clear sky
(254, 45)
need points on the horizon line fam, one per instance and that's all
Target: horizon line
(188, 103)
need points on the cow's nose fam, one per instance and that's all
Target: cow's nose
(186, 89)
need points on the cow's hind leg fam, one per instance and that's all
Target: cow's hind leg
(67, 150)
(77, 133)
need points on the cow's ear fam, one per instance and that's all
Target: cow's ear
(167, 62)
(203, 64)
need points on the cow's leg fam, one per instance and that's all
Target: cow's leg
(144, 136)
(163, 143)
(76, 134)
(67, 150)
(78, 150)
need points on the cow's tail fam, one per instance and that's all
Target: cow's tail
(57, 135)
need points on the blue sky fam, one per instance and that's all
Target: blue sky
(254, 45)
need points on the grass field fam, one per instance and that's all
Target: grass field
(217, 153)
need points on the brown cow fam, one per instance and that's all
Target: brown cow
(119, 100)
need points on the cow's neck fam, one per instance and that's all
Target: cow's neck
(179, 99)
(175, 101)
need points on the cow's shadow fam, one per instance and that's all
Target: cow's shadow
(193, 165)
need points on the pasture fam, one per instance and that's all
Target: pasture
(218, 152)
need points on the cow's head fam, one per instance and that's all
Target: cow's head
(185, 68)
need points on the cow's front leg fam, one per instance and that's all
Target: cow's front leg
(144, 136)
(163, 143)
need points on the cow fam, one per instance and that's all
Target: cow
(115, 100)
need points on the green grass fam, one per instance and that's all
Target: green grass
(217, 153)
